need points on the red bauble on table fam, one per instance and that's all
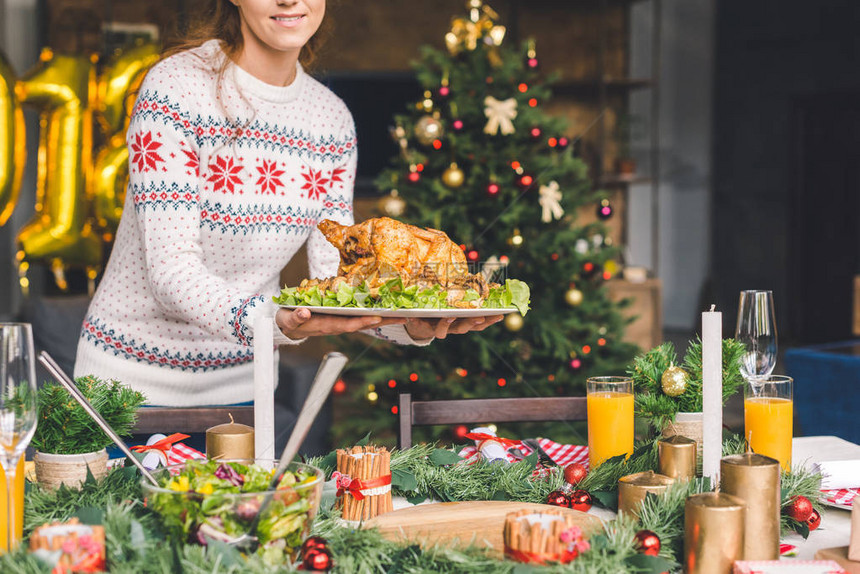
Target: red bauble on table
(800, 509)
(580, 500)
(558, 498)
(314, 542)
(574, 473)
(647, 542)
(814, 520)
(317, 560)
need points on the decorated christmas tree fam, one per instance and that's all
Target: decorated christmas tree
(482, 160)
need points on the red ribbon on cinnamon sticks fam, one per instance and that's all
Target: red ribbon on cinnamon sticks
(354, 486)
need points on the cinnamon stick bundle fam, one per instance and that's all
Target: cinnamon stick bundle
(371, 466)
(536, 538)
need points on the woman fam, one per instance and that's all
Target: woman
(235, 155)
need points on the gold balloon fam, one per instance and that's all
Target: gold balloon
(13, 151)
(60, 87)
(573, 297)
(110, 178)
(453, 176)
(514, 322)
(119, 81)
(674, 381)
(428, 129)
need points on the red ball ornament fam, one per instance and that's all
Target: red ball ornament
(457, 125)
(532, 63)
(444, 92)
(800, 509)
(575, 364)
(814, 520)
(413, 176)
(574, 473)
(647, 543)
(525, 181)
(317, 560)
(558, 498)
(314, 542)
(580, 500)
(493, 188)
(535, 133)
(563, 142)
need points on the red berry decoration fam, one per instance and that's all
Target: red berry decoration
(800, 509)
(580, 500)
(574, 473)
(317, 560)
(314, 542)
(558, 498)
(814, 520)
(647, 542)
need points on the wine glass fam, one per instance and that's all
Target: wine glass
(17, 405)
(756, 329)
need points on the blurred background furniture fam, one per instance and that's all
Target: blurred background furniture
(826, 389)
(424, 413)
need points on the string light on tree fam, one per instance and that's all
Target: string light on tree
(516, 239)
(525, 181)
(531, 56)
(573, 297)
(535, 133)
(493, 188)
(604, 210)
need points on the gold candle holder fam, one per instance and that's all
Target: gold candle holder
(676, 456)
(633, 488)
(713, 532)
(230, 441)
(754, 478)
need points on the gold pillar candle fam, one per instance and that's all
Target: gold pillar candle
(713, 533)
(676, 456)
(633, 488)
(230, 441)
(754, 478)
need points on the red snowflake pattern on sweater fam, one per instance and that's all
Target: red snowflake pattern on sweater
(144, 152)
(225, 174)
(336, 173)
(314, 183)
(193, 162)
(270, 177)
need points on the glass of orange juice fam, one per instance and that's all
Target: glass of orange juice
(768, 416)
(17, 507)
(609, 403)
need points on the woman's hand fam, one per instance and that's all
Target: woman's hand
(423, 329)
(300, 323)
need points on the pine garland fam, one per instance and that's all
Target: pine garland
(66, 428)
(647, 370)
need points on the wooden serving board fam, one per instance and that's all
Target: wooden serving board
(462, 523)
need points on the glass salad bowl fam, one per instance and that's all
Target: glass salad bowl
(205, 500)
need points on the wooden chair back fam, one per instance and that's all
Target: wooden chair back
(167, 420)
(534, 409)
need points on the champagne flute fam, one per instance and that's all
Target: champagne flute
(756, 329)
(17, 406)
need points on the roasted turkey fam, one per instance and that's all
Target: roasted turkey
(380, 249)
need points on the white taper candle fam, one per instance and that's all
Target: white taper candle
(264, 387)
(712, 393)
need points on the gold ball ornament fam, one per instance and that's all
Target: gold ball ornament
(674, 381)
(514, 322)
(573, 297)
(453, 176)
(392, 204)
(428, 129)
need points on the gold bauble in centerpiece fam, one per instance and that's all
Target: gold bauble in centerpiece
(514, 322)
(453, 176)
(428, 129)
(573, 297)
(674, 381)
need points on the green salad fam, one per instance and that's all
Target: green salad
(392, 295)
(211, 500)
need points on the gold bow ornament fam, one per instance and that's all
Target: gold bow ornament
(550, 202)
(500, 114)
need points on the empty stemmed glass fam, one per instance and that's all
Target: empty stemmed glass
(756, 329)
(17, 407)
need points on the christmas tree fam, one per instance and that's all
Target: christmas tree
(481, 160)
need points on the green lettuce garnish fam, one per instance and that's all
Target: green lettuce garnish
(392, 295)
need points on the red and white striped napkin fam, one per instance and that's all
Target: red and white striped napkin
(561, 454)
(842, 497)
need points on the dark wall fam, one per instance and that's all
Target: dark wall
(772, 58)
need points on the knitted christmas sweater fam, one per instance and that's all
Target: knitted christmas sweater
(228, 178)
